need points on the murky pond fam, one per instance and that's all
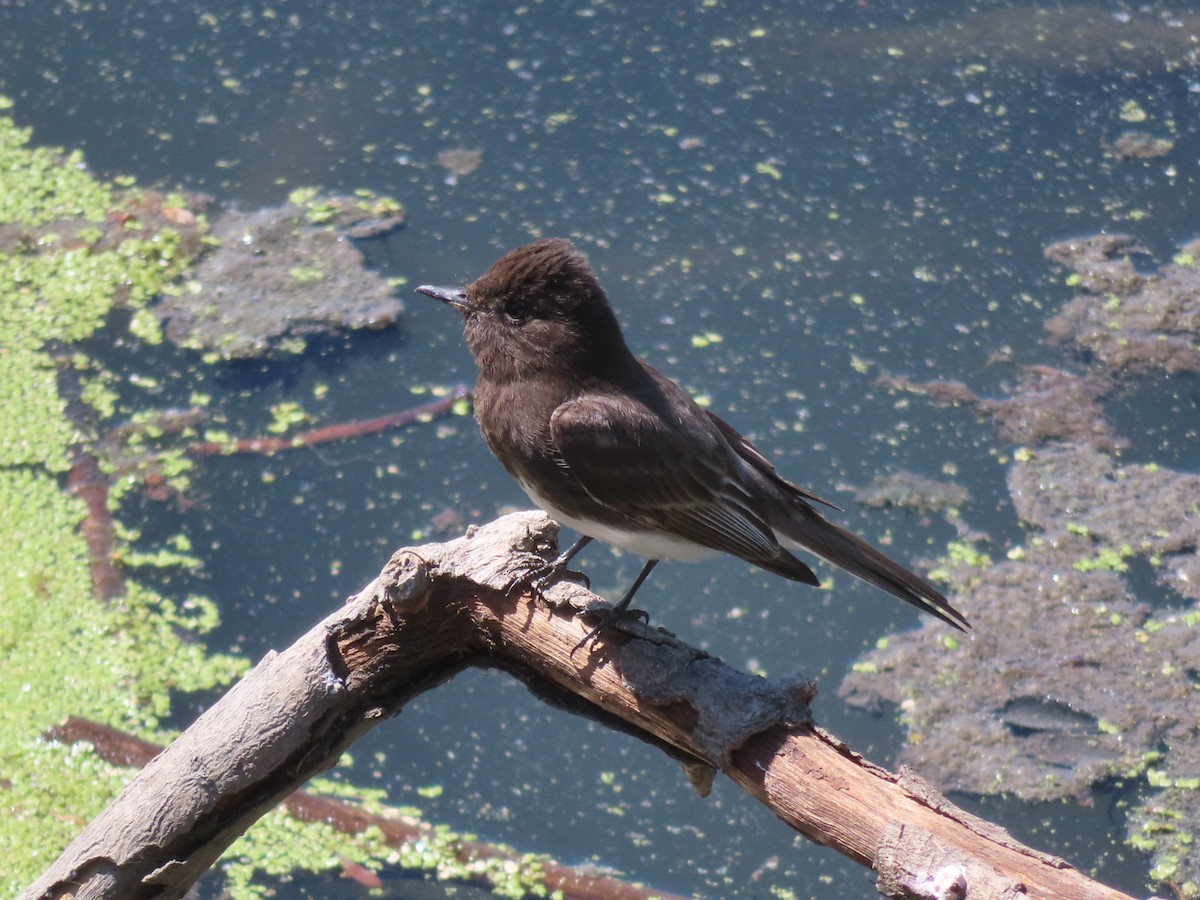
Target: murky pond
(792, 207)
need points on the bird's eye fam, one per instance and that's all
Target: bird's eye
(517, 312)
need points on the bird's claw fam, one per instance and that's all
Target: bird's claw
(612, 617)
(543, 575)
(555, 573)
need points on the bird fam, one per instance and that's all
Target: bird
(607, 445)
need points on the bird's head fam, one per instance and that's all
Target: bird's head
(539, 308)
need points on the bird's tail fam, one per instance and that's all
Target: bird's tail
(809, 530)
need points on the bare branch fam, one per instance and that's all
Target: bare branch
(437, 608)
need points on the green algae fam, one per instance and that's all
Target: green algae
(322, 209)
(287, 416)
(52, 187)
(66, 653)
(62, 295)
(279, 845)
(1110, 559)
(68, 258)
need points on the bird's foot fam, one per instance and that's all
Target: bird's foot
(608, 619)
(557, 571)
(542, 575)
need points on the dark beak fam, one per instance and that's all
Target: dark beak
(454, 296)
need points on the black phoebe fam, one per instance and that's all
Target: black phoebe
(609, 446)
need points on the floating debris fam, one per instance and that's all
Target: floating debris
(1078, 671)
(1069, 680)
(459, 162)
(283, 273)
(912, 491)
(1020, 41)
(1139, 145)
(1125, 320)
(1047, 404)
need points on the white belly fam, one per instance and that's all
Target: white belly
(647, 544)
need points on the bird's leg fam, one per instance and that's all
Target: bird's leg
(622, 610)
(558, 569)
(564, 558)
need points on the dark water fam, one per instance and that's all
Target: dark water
(838, 190)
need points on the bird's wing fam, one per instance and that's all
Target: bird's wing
(658, 477)
(755, 457)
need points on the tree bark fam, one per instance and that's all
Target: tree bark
(437, 608)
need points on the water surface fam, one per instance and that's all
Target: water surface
(785, 201)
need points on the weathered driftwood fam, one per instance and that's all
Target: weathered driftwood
(124, 749)
(437, 608)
